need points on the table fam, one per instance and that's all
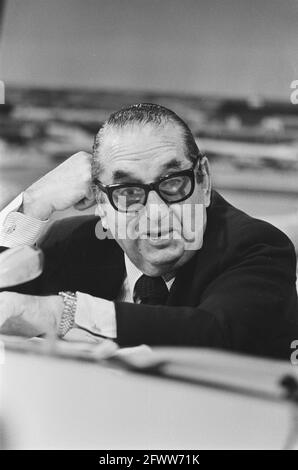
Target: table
(54, 403)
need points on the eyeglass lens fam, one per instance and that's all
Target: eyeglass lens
(171, 190)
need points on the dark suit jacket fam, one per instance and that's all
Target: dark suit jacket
(237, 292)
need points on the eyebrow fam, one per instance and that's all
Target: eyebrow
(126, 175)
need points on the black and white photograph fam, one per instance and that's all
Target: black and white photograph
(148, 228)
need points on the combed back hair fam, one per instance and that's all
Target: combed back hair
(144, 114)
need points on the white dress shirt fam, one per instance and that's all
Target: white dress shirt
(93, 314)
(18, 229)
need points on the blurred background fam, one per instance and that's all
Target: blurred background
(226, 67)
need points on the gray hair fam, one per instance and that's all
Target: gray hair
(143, 114)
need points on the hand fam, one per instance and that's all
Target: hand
(69, 184)
(28, 315)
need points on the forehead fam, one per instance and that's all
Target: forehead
(140, 151)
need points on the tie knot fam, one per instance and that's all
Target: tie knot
(151, 290)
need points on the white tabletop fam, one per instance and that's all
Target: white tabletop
(51, 403)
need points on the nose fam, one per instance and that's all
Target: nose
(156, 208)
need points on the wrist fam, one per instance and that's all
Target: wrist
(58, 308)
(34, 206)
(67, 320)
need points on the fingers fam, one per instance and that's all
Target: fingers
(88, 201)
(67, 185)
(85, 204)
(84, 169)
(81, 154)
(82, 161)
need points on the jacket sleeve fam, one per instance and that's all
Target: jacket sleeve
(54, 244)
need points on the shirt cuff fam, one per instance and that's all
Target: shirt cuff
(96, 315)
(17, 228)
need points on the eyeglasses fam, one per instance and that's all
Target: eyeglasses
(132, 197)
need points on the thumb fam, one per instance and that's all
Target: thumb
(88, 201)
(85, 204)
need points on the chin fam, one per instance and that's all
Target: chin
(162, 260)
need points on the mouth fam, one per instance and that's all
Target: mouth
(160, 238)
(161, 234)
(156, 236)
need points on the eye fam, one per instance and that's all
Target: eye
(131, 192)
(128, 196)
(173, 185)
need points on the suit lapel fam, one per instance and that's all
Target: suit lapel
(111, 275)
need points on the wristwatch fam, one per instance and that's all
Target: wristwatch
(68, 314)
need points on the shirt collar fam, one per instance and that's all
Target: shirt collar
(133, 274)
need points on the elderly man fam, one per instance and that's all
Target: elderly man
(171, 262)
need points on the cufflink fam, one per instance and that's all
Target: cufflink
(9, 228)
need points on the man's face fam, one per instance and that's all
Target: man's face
(160, 237)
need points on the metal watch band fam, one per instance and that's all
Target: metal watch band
(68, 314)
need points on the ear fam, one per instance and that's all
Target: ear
(100, 210)
(205, 169)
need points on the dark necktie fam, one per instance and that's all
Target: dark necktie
(151, 290)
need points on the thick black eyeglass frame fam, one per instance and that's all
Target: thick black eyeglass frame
(154, 186)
